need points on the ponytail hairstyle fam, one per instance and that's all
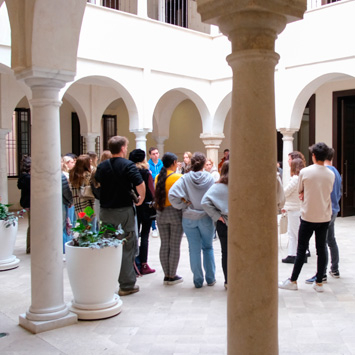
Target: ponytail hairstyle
(198, 161)
(168, 160)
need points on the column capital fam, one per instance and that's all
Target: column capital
(90, 135)
(45, 77)
(212, 140)
(251, 24)
(160, 139)
(287, 133)
(140, 132)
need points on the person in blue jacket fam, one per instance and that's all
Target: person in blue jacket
(155, 165)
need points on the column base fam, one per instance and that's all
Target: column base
(43, 326)
(13, 264)
(92, 314)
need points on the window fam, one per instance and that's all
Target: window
(18, 141)
(112, 4)
(176, 12)
(109, 123)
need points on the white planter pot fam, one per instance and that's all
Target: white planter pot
(93, 276)
(7, 243)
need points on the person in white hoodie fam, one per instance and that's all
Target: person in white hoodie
(186, 195)
(215, 203)
(293, 208)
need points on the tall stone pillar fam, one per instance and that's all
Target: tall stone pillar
(141, 140)
(287, 138)
(252, 27)
(212, 144)
(160, 144)
(3, 166)
(47, 310)
(90, 141)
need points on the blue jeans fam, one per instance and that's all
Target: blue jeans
(333, 246)
(304, 235)
(200, 234)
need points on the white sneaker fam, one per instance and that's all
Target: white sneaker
(318, 287)
(288, 285)
(155, 233)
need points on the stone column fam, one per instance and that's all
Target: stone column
(142, 8)
(47, 310)
(252, 306)
(3, 166)
(90, 141)
(212, 144)
(287, 139)
(160, 144)
(141, 140)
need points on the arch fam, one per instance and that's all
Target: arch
(221, 114)
(167, 104)
(99, 97)
(307, 91)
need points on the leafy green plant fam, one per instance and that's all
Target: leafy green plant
(10, 218)
(84, 236)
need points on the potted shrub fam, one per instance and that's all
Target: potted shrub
(8, 233)
(93, 261)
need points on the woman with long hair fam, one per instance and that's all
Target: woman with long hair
(144, 210)
(215, 204)
(79, 177)
(186, 195)
(186, 165)
(169, 220)
(293, 208)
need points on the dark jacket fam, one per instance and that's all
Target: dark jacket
(24, 184)
(66, 192)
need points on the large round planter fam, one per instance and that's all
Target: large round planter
(7, 243)
(93, 276)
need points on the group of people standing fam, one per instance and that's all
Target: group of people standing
(312, 204)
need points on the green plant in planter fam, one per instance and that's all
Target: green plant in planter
(84, 236)
(10, 218)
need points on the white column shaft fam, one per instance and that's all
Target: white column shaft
(46, 208)
(3, 167)
(287, 149)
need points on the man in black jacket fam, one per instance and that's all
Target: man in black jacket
(117, 176)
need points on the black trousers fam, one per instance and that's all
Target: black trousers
(222, 231)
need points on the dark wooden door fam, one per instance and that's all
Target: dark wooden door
(348, 155)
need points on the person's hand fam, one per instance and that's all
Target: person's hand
(301, 196)
(283, 210)
(140, 201)
(222, 220)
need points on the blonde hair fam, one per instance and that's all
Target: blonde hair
(142, 165)
(65, 161)
(210, 160)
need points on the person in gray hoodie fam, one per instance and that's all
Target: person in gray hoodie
(215, 203)
(186, 195)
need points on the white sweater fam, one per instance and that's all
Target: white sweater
(293, 203)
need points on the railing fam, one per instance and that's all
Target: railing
(312, 4)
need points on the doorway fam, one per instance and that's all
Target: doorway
(344, 143)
